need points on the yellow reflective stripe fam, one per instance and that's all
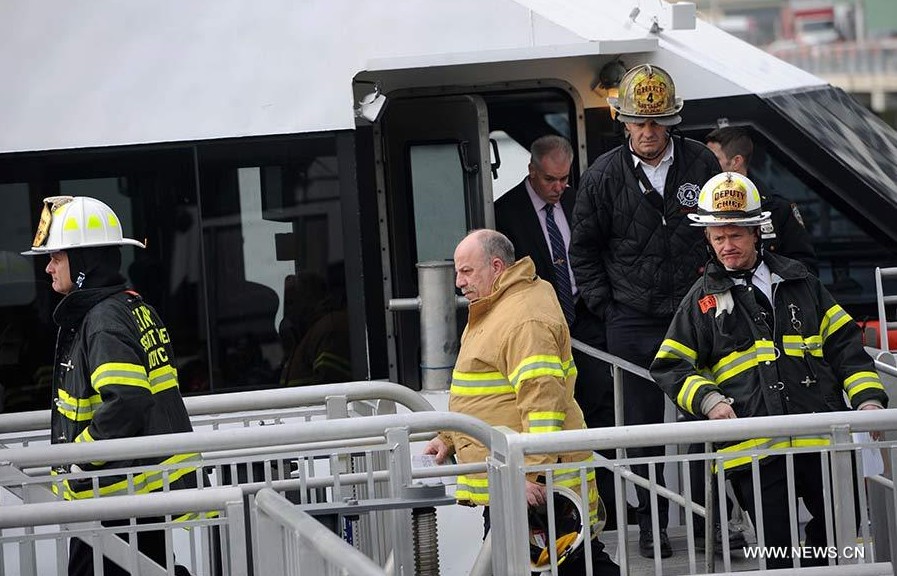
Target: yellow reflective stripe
(856, 383)
(70, 224)
(144, 482)
(333, 361)
(692, 384)
(570, 477)
(536, 366)
(475, 490)
(94, 222)
(479, 383)
(752, 444)
(804, 441)
(796, 345)
(162, 379)
(196, 516)
(793, 345)
(77, 409)
(119, 373)
(814, 345)
(835, 318)
(739, 361)
(570, 367)
(85, 436)
(545, 421)
(768, 444)
(672, 349)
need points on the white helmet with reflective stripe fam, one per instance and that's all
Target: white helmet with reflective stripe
(569, 521)
(729, 199)
(68, 222)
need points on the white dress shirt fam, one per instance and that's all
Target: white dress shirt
(657, 175)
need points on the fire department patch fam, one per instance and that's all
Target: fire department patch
(707, 303)
(688, 194)
(797, 216)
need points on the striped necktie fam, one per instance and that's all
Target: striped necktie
(561, 271)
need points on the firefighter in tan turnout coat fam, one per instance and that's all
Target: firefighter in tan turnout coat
(515, 369)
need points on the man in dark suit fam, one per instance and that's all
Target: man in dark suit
(521, 215)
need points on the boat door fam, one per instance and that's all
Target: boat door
(437, 186)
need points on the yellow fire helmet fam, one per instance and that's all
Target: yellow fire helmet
(647, 92)
(68, 222)
(729, 199)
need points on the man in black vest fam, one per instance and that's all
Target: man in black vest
(635, 255)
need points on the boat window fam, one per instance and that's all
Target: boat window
(244, 259)
(440, 214)
(272, 242)
(149, 191)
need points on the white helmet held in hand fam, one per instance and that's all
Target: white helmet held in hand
(729, 199)
(68, 222)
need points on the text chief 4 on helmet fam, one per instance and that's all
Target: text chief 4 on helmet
(647, 92)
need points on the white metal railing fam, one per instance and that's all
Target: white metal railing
(507, 474)
(252, 407)
(43, 552)
(884, 300)
(366, 458)
(293, 543)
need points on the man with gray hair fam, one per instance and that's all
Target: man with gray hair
(515, 369)
(536, 215)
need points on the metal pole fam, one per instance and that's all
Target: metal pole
(843, 492)
(438, 324)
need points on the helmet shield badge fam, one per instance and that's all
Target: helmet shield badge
(46, 218)
(647, 93)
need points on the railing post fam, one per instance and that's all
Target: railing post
(400, 477)
(507, 505)
(843, 488)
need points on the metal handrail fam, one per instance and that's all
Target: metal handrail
(300, 526)
(232, 439)
(116, 507)
(254, 401)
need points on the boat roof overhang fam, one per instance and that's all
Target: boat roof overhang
(92, 73)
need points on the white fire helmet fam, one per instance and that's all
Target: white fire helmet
(647, 92)
(569, 529)
(729, 199)
(68, 222)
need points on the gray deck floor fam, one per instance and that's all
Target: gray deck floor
(679, 562)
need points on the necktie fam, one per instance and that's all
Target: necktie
(561, 272)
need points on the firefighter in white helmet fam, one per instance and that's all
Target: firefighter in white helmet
(759, 335)
(114, 373)
(634, 254)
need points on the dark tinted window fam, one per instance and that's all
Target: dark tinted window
(244, 259)
(272, 239)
